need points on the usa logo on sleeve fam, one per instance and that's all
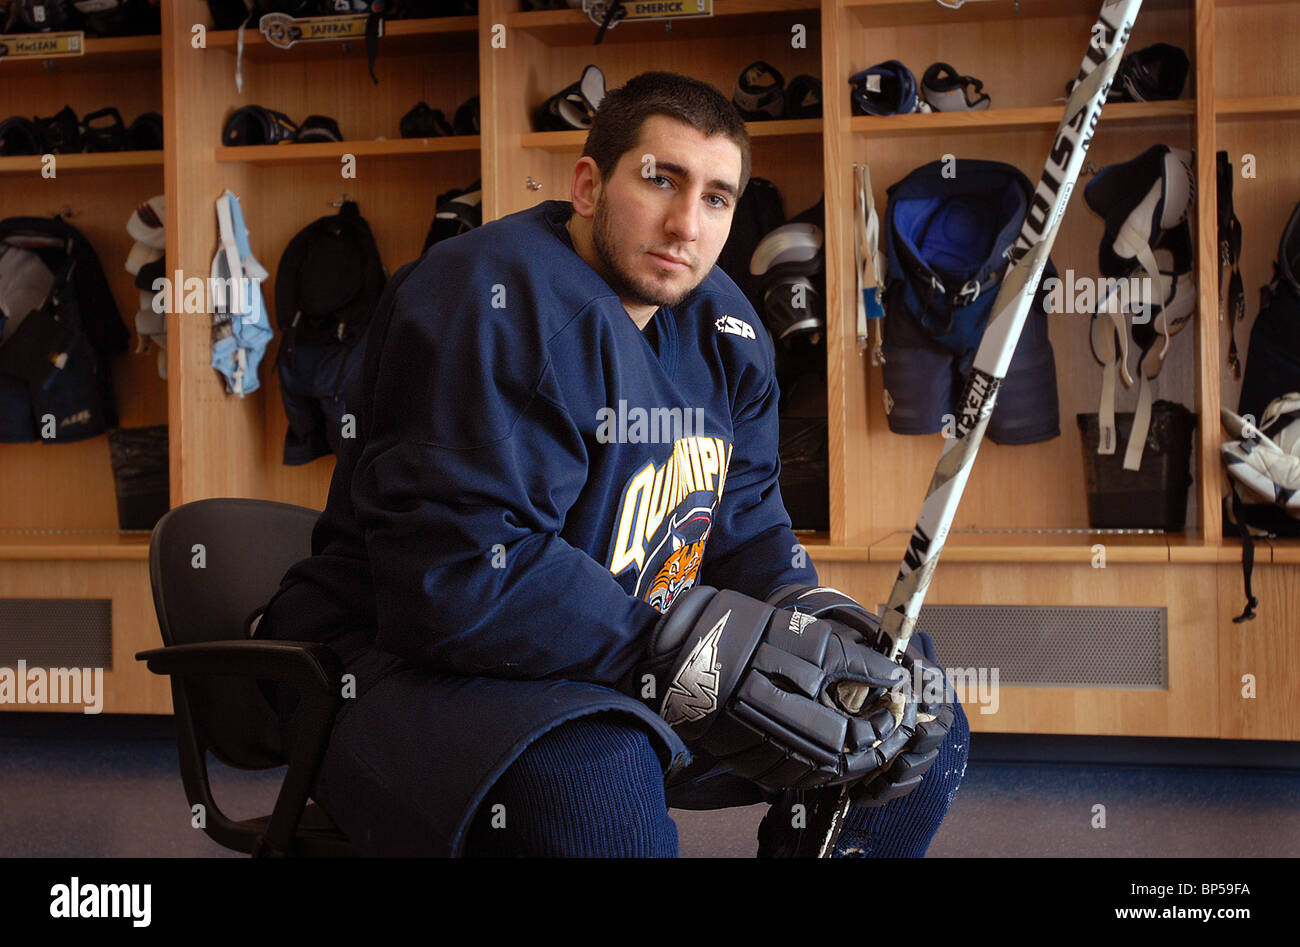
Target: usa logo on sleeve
(734, 326)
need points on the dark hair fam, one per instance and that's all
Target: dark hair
(616, 126)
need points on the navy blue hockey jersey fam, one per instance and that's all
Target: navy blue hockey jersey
(533, 479)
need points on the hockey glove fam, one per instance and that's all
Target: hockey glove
(936, 700)
(786, 701)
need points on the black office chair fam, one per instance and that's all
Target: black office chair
(213, 565)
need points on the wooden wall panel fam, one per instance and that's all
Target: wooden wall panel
(129, 687)
(1255, 49)
(1205, 330)
(1266, 648)
(1186, 709)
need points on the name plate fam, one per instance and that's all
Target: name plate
(649, 10)
(283, 31)
(42, 45)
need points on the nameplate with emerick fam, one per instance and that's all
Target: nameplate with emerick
(649, 9)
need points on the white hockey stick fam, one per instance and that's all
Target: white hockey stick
(1028, 256)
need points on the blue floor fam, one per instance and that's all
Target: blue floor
(78, 786)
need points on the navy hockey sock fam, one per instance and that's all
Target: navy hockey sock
(905, 827)
(592, 787)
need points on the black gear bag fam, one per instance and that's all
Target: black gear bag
(329, 279)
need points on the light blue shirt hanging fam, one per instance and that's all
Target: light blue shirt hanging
(240, 327)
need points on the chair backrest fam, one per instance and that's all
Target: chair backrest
(212, 564)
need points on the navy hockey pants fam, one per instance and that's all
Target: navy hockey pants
(594, 787)
(591, 786)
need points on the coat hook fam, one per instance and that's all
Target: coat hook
(65, 211)
(531, 184)
(340, 202)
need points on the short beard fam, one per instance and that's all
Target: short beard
(624, 284)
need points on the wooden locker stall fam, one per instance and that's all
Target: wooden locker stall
(59, 536)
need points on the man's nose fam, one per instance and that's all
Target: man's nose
(684, 217)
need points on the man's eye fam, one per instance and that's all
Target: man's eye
(720, 202)
(659, 177)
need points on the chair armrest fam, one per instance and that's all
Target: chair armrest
(308, 666)
(311, 668)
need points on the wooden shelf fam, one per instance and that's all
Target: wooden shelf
(298, 152)
(401, 37)
(572, 141)
(111, 54)
(1044, 117)
(880, 13)
(1257, 107)
(1222, 4)
(31, 545)
(1185, 549)
(1026, 547)
(99, 161)
(1284, 551)
(730, 18)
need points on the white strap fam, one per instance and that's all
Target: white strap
(1111, 308)
(867, 264)
(1137, 438)
(859, 274)
(239, 58)
(1106, 436)
(1103, 333)
(1158, 280)
(226, 224)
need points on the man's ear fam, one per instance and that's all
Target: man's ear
(586, 186)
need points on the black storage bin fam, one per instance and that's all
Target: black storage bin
(805, 472)
(1154, 497)
(804, 449)
(141, 474)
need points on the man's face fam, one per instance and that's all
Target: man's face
(660, 224)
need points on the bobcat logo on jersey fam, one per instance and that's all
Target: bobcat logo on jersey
(734, 326)
(682, 567)
(664, 519)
